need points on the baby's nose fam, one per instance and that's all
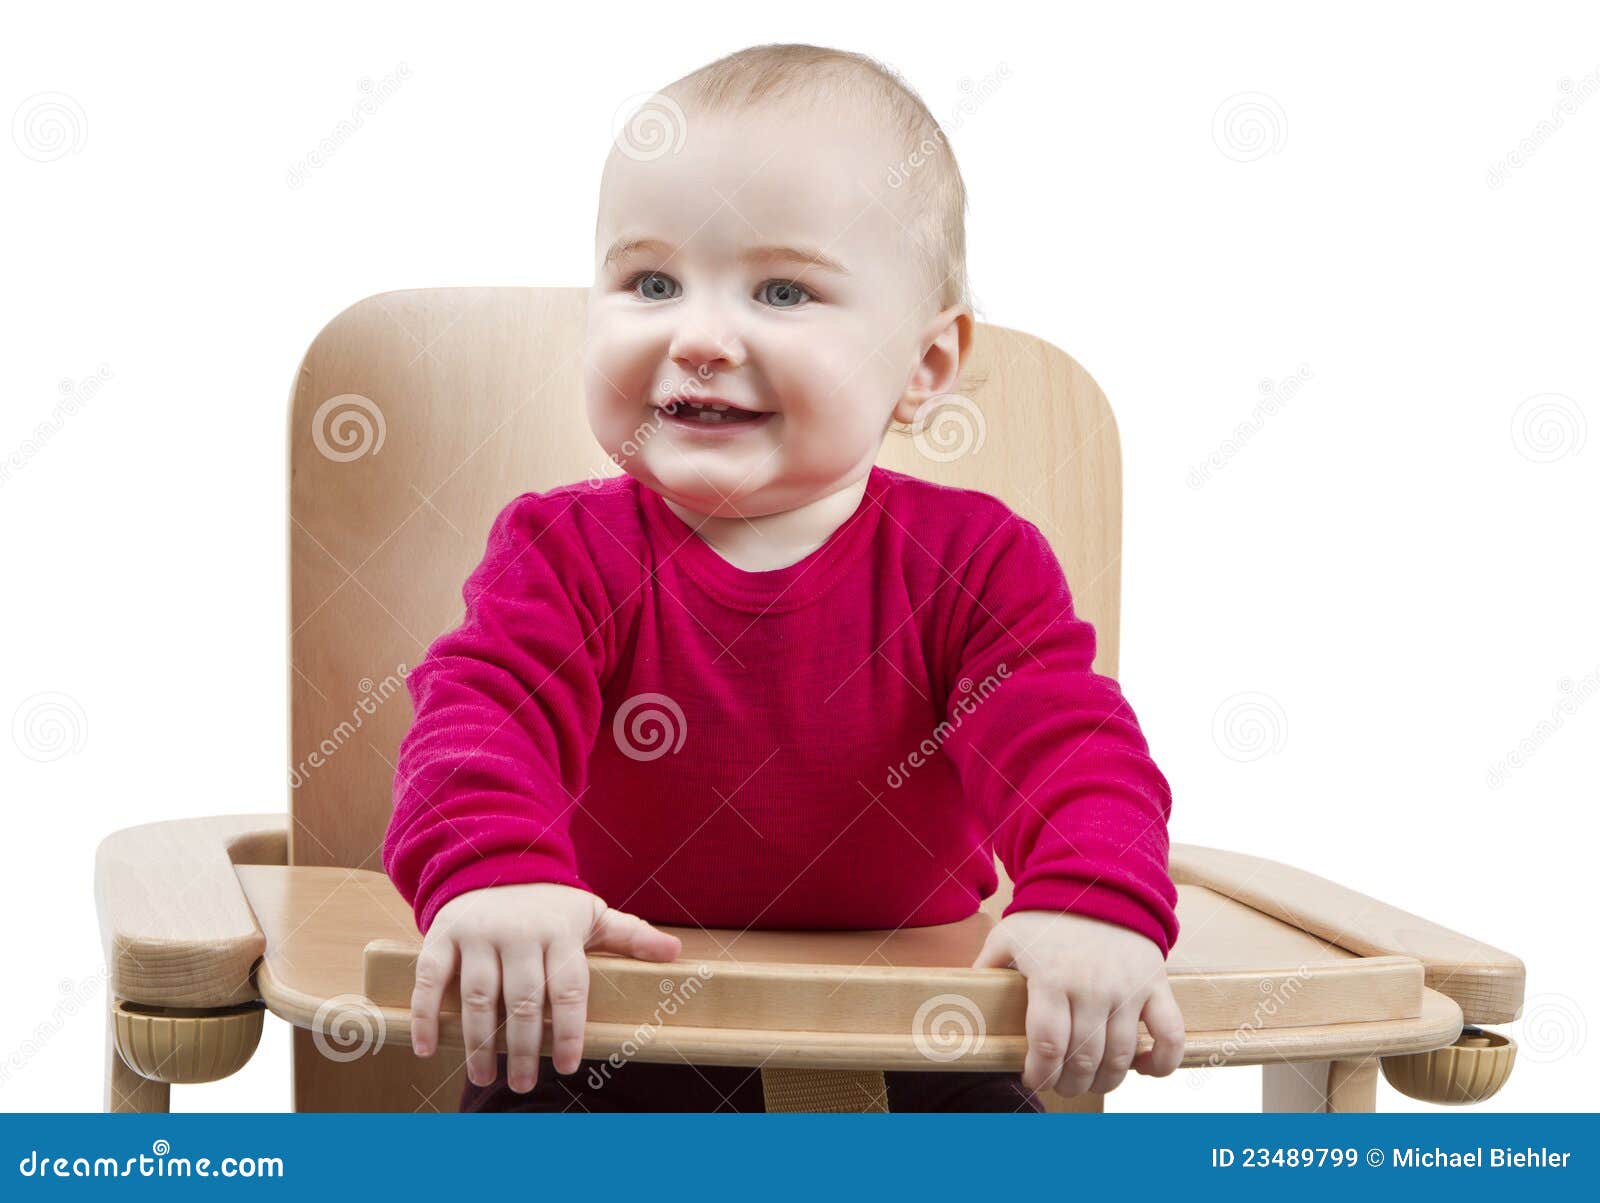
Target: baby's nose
(703, 339)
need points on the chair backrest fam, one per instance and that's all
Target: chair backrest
(417, 415)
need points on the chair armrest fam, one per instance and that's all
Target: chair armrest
(174, 922)
(1485, 981)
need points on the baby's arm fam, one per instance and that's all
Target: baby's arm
(1053, 755)
(507, 707)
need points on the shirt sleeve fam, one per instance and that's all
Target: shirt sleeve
(507, 706)
(1051, 751)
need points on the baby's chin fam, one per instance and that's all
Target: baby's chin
(715, 498)
(697, 497)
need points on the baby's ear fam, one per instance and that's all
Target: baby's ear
(946, 342)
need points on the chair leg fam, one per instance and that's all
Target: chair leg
(824, 1090)
(126, 1091)
(1331, 1086)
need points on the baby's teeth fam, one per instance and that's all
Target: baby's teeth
(710, 412)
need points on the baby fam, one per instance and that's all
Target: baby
(687, 694)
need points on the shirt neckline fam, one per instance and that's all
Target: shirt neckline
(776, 589)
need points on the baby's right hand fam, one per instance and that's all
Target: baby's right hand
(524, 943)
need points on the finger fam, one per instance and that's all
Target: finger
(996, 951)
(619, 932)
(1122, 1042)
(1086, 1047)
(436, 964)
(523, 971)
(567, 993)
(1165, 1024)
(480, 996)
(1048, 1024)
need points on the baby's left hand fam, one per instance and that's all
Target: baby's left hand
(1089, 984)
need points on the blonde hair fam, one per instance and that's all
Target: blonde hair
(780, 72)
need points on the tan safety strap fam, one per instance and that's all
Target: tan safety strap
(824, 1090)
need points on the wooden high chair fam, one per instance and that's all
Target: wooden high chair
(415, 417)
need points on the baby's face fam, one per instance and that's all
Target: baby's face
(765, 265)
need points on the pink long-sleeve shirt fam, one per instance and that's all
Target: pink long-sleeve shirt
(842, 743)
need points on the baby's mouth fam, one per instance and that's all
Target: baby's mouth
(709, 413)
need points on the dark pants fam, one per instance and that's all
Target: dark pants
(660, 1086)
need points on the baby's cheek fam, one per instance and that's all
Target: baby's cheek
(623, 350)
(840, 385)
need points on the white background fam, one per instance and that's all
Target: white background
(1387, 589)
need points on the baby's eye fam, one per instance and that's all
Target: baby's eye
(783, 294)
(654, 286)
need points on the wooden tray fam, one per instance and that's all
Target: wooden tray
(341, 949)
